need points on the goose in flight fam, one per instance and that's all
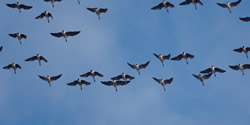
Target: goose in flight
(213, 70)
(163, 82)
(163, 4)
(92, 73)
(139, 67)
(124, 77)
(192, 1)
(114, 83)
(45, 14)
(202, 78)
(50, 79)
(13, 66)
(65, 34)
(245, 19)
(162, 58)
(229, 5)
(38, 58)
(52, 2)
(243, 49)
(79, 82)
(18, 36)
(183, 55)
(240, 67)
(98, 11)
(19, 6)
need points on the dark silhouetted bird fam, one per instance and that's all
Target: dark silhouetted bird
(50, 79)
(92, 73)
(1, 48)
(163, 82)
(18, 36)
(243, 49)
(45, 14)
(65, 34)
(124, 77)
(240, 67)
(183, 56)
(13, 66)
(162, 58)
(52, 2)
(79, 82)
(139, 67)
(202, 78)
(98, 11)
(192, 1)
(114, 83)
(38, 58)
(163, 4)
(245, 19)
(19, 6)
(229, 5)
(213, 70)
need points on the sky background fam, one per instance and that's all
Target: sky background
(129, 32)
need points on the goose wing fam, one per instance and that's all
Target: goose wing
(117, 77)
(43, 78)
(42, 58)
(92, 9)
(167, 56)
(222, 5)
(129, 77)
(143, 66)
(8, 66)
(170, 4)
(208, 70)
(12, 5)
(56, 77)
(104, 10)
(158, 7)
(40, 16)
(235, 3)
(132, 66)
(98, 74)
(25, 7)
(74, 83)
(186, 2)
(179, 57)
(57, 34)
(189, 56)
(207, 76)
(13, 35)
(238, 50)
(246, 19)
(219, 70)
(168, 81)
(86, 74)
(246, 66)
(108, 83)
(72, 33)
(157, 80)
(122, 82)
(196, 76)
(235, 67)
(31, 58)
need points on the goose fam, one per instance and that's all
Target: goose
(246, 19)
(202, 78)
(163, 82)
(162, 58)
(184, 56)
(92, 73)
(65, 34)
(13, 66)
(1, 48)
(38, 58)
(114, 83)
(98, 11)
(124, 77)
(240, 67)
(243, 49)
(229, 5)
(50, 79)
(19, 6)
(79, 82)
(45, 14)
(163, 4)
(192, 1)
(213, 70)
(18, 36)
(52, 2)
(139, 67)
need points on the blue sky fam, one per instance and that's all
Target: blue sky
(129, 32)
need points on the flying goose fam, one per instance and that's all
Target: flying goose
(163, 82)
(18, 36)
(65, 34)
(38, 58)
(192, 1)
(19, 6)
(1, 48)
(183, 55)
(243, 49)
(240, 67)
(98, 11)
(163, 4)
(52, 1)
(114, 83)
(45, 14)
(50, 79)
(246, 19)
(213, 70)
(13, 66)
(124, 77)
(139, 67)
(79, 82)
(162, 58)
(202, 78)
(229, 5)
(92, 73)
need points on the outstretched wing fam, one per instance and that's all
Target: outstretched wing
(117, 77)
(219, 70)
(196, 76)
(42, 58)
(167, 56)
(108, 83)
(25, 7)
(132, 66)
(157, 80)
(31, 58)
(129, 77)
(186, 2)
(103, 10)
(13, 35)
(86, 74)
(8, 67)
(43, 78)
(207, 76)
(73, 83)
(170, 5)
(72, 33)
(158, 7)
(246, 19)
(122, 82)
(179, 57)
(236, 67)
(56, 77)
(168, 81)
(57, 34)
(235, 3)
(1, 48)
(18, 66)
(85, 82)
(246, 66)
(157, 56)
(40, 16)
(98, 74)
(239, 50)
(23, 36)
(189, 56)
(222, 5)
(12, 5)
(143, 66)
(208, 70)
(92, 9)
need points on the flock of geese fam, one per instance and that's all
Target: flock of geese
(123, 78)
